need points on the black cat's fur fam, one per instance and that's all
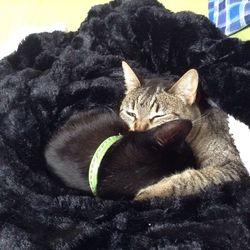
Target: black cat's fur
(134, 162)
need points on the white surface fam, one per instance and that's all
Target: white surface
(241, 134)
(239, 130)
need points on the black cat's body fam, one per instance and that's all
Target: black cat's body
(137, 160)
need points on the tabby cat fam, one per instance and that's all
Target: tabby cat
(134, 160)
(147, 105)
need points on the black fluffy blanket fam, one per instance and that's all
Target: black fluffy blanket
(53, 75)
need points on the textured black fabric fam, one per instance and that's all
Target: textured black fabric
(53, 75)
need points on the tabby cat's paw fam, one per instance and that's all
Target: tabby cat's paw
(143, 195)
(157, 190)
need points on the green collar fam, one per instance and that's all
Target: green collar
(97, 158)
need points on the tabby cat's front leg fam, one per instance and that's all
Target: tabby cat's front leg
(188, 182)
(192, 181)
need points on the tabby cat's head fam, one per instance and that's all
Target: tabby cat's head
(145, 107)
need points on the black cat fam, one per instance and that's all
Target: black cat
(134, 161)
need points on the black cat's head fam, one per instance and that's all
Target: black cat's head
(140, 159)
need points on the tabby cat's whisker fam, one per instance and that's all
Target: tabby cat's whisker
(200, 119)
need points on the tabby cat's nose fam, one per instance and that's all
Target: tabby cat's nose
(141, 126)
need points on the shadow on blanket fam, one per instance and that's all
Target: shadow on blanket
(53, 75)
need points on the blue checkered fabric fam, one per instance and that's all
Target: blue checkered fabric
(229, 15)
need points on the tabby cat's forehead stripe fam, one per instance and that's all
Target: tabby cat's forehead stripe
(143, 97)
(157, 107)
(152, 102)
(148, 96)
(133, 104)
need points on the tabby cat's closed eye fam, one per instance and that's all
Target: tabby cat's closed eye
(132, 114)
(157, 116)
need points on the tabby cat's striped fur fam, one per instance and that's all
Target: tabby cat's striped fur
(148, 105)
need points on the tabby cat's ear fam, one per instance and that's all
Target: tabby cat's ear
(186, 87)
(172, 132)
(132, 81)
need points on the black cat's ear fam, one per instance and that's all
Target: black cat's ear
(172, 132)
(132, 80)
